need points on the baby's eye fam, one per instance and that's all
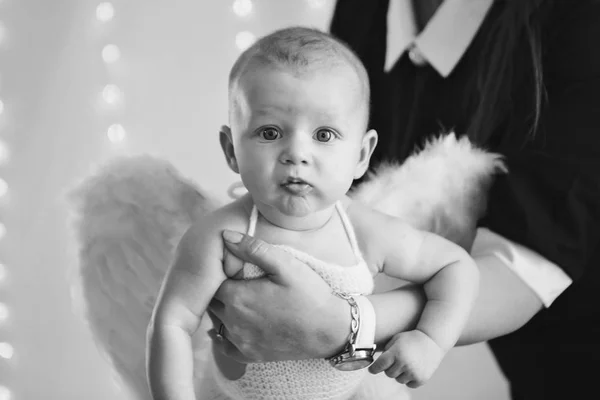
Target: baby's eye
(270, 134)
(324, 135)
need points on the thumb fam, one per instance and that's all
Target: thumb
(273, 260)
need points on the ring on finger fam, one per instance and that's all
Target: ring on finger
(221, 333)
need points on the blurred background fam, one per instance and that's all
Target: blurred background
(82, 81)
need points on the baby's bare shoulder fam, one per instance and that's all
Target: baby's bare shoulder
(365, 218)
(233, 216)
(378, 230)
(367, 225)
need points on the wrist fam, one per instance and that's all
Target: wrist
(444, 344)
(360, 347)
(335, 327)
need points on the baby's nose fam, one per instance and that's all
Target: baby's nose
(295, 154)
(294, 159)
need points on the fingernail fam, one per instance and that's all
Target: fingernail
(232, 236)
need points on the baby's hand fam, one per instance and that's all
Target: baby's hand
(409, 357)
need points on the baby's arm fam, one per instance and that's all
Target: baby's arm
(451, 282)
(187, 289)
(450, 277)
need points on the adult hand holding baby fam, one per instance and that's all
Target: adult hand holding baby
(290, 287)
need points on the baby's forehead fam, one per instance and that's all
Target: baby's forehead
(329, 100)
(307, 69)
(305, 88)
(330, 73)
(333, 75)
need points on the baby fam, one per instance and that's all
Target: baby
(299, 106)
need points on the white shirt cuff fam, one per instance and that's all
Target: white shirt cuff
(546, 279)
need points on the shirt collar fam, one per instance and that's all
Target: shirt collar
(443, 41)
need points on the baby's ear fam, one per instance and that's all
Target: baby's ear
(227, 146)
(369, 142)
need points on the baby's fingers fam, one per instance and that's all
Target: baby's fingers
(415, 384)
(404, 378)
(385, 361)
(396, 370)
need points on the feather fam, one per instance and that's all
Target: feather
(127, 220)
(441, 188)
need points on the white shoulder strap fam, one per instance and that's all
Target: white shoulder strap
(252, 222)
(349, 229)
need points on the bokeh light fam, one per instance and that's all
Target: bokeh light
(316, 3)
(244, 39)
(105, 12)
(116, 133)
(4, 153)
(3, 312)
(3, 187)
(242, 8)
(111, 53)
(5, 393)
(2, 33)
(6, 350)
(112, 94)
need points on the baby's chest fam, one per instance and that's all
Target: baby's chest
(332, 248)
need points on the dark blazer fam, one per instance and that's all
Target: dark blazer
(549, 201)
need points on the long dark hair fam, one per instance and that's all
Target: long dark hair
(517, 24)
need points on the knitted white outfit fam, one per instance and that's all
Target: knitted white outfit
(304, 379)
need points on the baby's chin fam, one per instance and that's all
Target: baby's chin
(295, 206)
(296, 213)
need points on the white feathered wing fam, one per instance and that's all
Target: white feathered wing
(128, 218)
(131, 213)
(441, 188)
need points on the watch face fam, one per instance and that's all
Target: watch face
(354, 364)
(360, 358)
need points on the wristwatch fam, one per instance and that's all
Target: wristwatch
(360, 349)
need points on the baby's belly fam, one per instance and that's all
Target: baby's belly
(293, 380)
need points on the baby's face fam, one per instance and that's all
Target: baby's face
(298, 138)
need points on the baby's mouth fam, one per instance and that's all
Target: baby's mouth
(296, 186)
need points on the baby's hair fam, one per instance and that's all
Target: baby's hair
(299, 50)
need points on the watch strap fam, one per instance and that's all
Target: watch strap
(365, 338)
